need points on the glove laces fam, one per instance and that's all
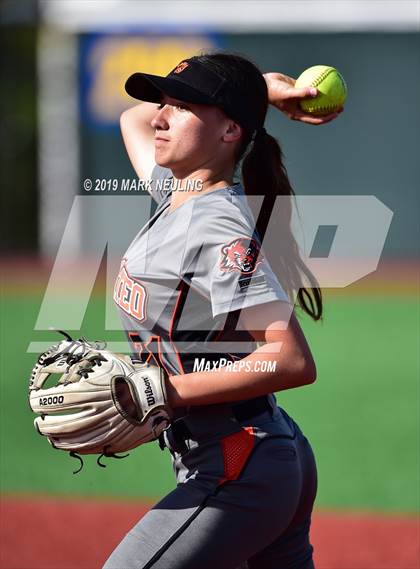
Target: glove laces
(105, 453)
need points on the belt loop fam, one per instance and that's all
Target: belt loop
(162, 442)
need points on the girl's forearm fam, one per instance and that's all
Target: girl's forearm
(268, 369)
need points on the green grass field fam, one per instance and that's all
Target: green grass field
(361, 416)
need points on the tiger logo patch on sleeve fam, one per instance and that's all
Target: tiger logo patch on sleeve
(242, 255)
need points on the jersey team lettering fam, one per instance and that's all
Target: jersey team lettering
(129, 295)
(242, 255)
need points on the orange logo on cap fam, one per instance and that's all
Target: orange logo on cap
(180, 67)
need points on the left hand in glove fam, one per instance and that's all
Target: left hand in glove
(102, 402)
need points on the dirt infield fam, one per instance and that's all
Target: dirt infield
(46, 533)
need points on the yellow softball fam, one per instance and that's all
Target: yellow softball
(332, 89)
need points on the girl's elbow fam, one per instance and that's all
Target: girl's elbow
(309, 371)
(124, 119)
(306, 370)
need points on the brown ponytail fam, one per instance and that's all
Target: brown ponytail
(264, 173)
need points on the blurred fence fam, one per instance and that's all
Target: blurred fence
(66, 64)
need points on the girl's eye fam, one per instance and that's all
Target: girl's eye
(178, 107)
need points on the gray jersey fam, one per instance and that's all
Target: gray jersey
(185, 275)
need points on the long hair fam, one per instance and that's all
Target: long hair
(264, 174)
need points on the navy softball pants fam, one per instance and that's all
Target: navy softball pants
(260, 520)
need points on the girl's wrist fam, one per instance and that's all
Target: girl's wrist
(173, 397)
(268, 77)
(277, 83)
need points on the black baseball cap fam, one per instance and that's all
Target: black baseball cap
(193, 82)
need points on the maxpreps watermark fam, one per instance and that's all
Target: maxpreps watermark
(138, 185)
(202, 364)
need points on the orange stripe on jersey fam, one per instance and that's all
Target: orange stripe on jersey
(171, 325)
(137, 343)
(159, 362)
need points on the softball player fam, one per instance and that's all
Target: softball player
(195, 290)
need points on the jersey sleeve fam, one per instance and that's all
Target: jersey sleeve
(160, 184)
(229, 266)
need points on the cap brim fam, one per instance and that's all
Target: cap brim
(150, 88)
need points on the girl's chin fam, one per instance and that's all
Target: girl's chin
(160, 161)
(164, 161)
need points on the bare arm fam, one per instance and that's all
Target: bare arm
(138, 136)
(285, 347)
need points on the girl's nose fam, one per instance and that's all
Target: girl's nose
(160, 119)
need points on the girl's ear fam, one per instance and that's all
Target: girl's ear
(233, 132)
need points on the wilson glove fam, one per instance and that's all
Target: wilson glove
(102, 403)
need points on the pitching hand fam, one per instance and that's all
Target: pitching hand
(283, 95)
